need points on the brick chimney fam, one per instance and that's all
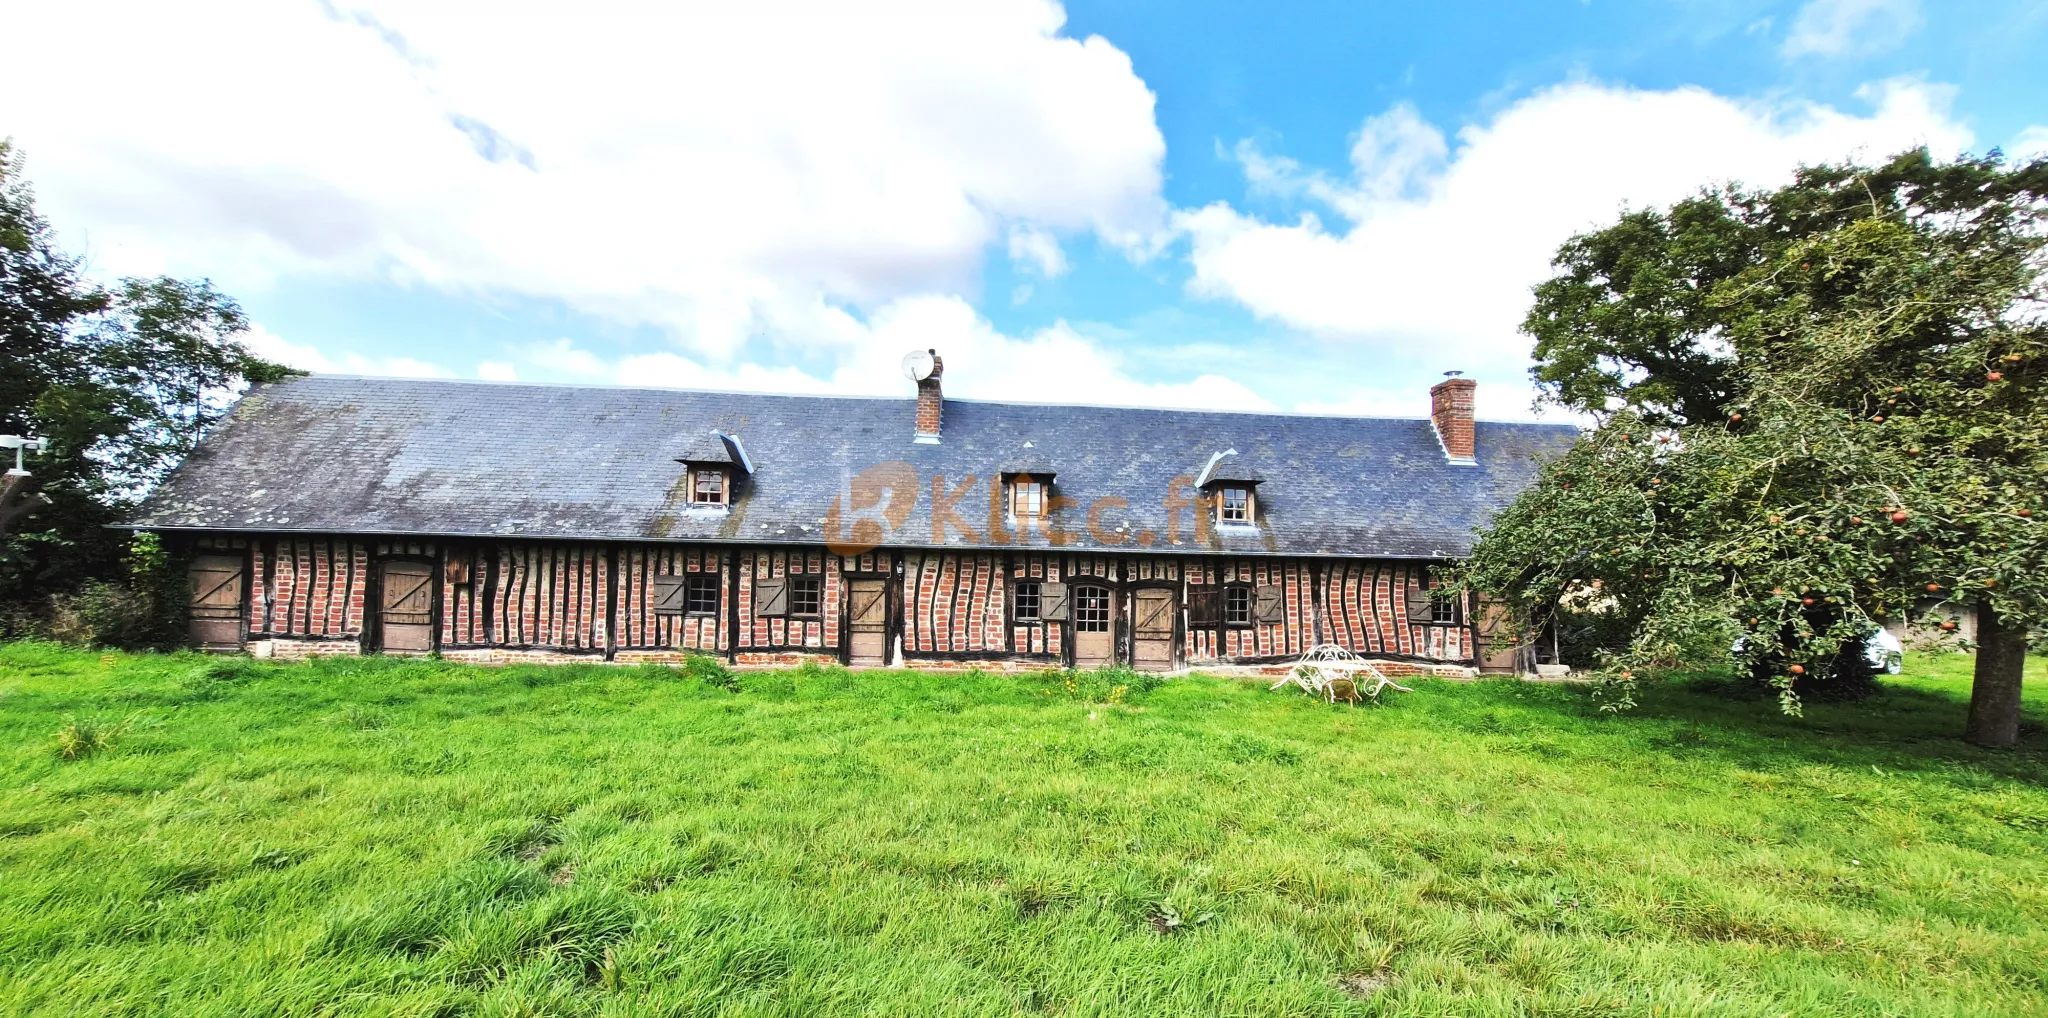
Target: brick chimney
(1450, 409)
(930, 402)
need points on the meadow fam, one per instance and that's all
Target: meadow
(183, 835)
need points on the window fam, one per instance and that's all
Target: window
(806, 595)
(1237, 606)
(1425, 610)
(700, 593)
(1443, 612)
(1024, 601)
(709, 487)
(1027, 498)
(1234, 506)
(1091, 609)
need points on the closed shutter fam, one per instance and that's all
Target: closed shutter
(771, 597)
(1205, 606)
(1272, 604)
(668, 594)
(1420, 608)
(1052, 601)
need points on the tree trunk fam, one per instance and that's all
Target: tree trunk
(1995, 695)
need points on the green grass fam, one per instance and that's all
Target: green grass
(394, 837)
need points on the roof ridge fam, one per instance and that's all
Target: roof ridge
(594, 386)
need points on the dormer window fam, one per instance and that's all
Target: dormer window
(717, 465)
(1027, 498)
(1234, 505)
(1229, 483)
(708, 487)
(1030, 493)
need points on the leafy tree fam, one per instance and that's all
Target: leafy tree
(1870, 434)
(122, 381)
(1656, 313)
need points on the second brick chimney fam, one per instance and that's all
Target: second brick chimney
(930, 402)
(1450, 409)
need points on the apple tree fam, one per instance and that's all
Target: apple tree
(1814, 408)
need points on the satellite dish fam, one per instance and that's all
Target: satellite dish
(917, 365)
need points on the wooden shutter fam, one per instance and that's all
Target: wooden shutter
(771, 597)
(1052, 601)
(668, 594)
(1205, 606)
(1271, 605)
(1421, 610)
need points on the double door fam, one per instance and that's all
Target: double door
(1095, 609)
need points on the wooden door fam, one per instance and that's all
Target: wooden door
(1498, 649)
(1094, 625)
(216, 606)
(867, 623)
(1152, 633)
(405, 614)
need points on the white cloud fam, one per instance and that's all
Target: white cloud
(270, 346)
(2031, 143)
(497, 371)
(1037, 250)
(1053, 365)
(1436, 248)
(1833, 28)
(726, 172)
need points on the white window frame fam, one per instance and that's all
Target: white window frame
(1248, 513)
(1019, 488)
(697, 479)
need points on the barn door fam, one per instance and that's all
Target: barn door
(1152, 636)
(1498, 648)
(405, 613)
(216, 606)
(867, 623)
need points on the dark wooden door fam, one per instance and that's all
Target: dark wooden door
(216, 606)
(1152, 634)
(406, 607)
(1094, 625)
(867, 623)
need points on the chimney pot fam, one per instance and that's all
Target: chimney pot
(1450, 410)
(930, 401)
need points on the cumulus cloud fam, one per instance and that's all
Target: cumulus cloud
(1834, 28)
(2031, 143)
(1037, 250)
(1053, 365)
(272, 347)
(1433, 248)
(721, 171)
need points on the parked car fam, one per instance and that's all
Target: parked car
(1883, 650)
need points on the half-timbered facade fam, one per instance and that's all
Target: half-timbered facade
(498, 522)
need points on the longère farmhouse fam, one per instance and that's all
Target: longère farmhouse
(499, 522)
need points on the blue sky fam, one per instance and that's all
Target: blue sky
(1312, 207)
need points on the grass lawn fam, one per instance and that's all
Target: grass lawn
(391, 837)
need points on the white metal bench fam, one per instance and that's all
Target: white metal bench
(1318, 671)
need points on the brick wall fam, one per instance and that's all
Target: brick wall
(502, 601)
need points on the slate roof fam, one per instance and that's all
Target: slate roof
(340, 454)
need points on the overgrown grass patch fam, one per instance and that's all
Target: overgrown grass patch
(412, 837)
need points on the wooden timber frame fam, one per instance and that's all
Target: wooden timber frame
(318, 593)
